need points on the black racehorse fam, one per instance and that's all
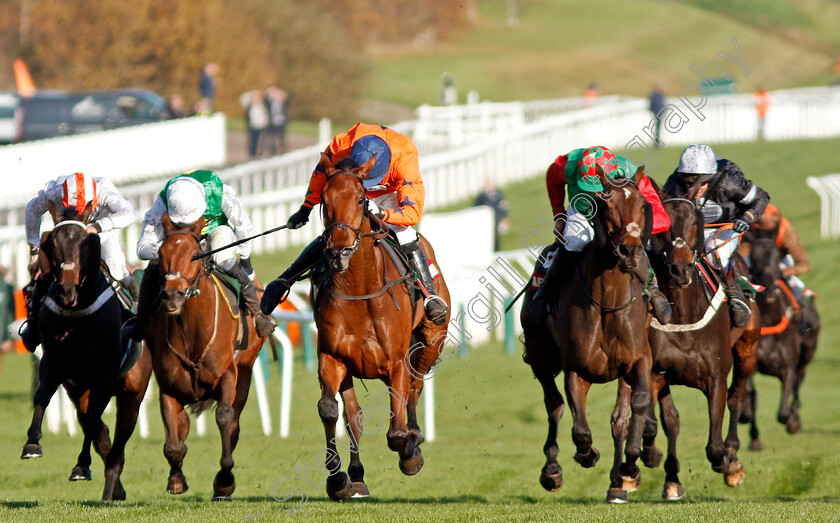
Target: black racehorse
(80, 332)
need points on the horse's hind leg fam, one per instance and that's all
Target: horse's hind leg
(224, 484)
(672, 490)
(331, 374)
(551, 476)
(744, 358)
(652, 456)
(621, 484)
(752, 418)
(49, 383)
(400, 439)
(576, 390)
(174, 448)
(355, 425)
(101, 441)
(785, 414)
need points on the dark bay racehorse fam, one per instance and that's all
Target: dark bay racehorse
(784, 349)
(192, 336)
(596, 333)
(697, 349)
(80, 331)
(368, 328)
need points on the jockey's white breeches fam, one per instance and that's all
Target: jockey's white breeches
(113, 255)
(405, 233)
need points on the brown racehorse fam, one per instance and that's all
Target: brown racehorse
(697, 349)
(192, 337)
(596, 333)
(784, 350)
(80, 328)
(368, 329)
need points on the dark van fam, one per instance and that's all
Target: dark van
(48, 115)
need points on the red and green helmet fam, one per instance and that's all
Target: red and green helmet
(592, 157)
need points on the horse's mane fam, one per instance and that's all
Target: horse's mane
(346, 164)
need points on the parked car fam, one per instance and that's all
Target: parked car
(52, 114)
(9, 103)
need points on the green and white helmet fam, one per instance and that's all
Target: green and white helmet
(185, 201)
(697, 161)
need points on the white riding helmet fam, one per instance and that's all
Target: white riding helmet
(186, 201)
(697, 161)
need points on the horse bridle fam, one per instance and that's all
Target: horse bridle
(679, 242)
(63, 265)
(624, 230)
(192, 285)
(347, 252)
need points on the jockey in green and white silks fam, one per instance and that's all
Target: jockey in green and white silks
(186, 198)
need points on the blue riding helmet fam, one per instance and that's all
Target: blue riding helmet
(363, 150)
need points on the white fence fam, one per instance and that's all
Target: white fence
(828, 189)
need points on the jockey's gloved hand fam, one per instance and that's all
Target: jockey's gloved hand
(739, 225)
(272, 295)
(299, 219)
(247, 267)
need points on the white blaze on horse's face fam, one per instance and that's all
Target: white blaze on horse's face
(626, 192)
(68, 266)
(633, 229)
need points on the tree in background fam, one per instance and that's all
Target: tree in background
(315, 50)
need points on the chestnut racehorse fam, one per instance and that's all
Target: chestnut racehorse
(595, 333)
(80, 331)
(785, 347)
(368, 329)
(192, 336)
(697, 349)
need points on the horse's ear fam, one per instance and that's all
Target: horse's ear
(365, 168)
(94, 253)
(327, 165)
(694, 189)
(54, 213)
(198, 225)
(167, 222)
(86, 213)
(45, 253)
(640, 173)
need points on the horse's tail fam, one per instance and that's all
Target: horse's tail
(200, 406)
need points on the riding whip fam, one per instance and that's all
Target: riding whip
(518, 294)
(237, 242)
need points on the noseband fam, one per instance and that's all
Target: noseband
(192, 285)
(679, 242)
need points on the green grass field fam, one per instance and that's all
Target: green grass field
(485, 463)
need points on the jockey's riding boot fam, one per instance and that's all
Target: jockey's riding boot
(739, 310)
(278, 289)
(537, 305)
(434, 305)
(31, 335)
(135, 327)
(658, 302)
(265, 325)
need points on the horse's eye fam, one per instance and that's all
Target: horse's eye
(361, 200)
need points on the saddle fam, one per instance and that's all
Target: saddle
(230, 289)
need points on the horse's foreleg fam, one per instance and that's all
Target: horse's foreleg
(128, 399)
(551, 476)
(720, 457)
(652, 456)
(224, 483)
(174, 448)
(639, 380)
(90, 408)
(354, 422)
(576, 390)
(243, 387)
(331, 373)
(672, 490)
(48, 384)
(621, 481)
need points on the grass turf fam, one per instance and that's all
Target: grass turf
(491, 427)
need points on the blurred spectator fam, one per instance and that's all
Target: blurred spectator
(762, 101)
(277, 102)
(494, 199)
(657, 103)
(449, 93)
(592, 92)
(256, 118)
(202, 107)
(207, 82)
(7, 310)
(175, 107)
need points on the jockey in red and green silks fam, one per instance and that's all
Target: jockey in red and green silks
(577, 171)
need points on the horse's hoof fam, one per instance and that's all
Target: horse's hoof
(672, 491)
(551, 482)
(735, 474)
(360, 490)
(651, 457)
(793, 425)
(589, 459)
(177, 484)
(223, 486)
(616, 495)
(411, 466)
(343, 493)
(80, 474)
(31, 450)
(631, 483)
(755, 445)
